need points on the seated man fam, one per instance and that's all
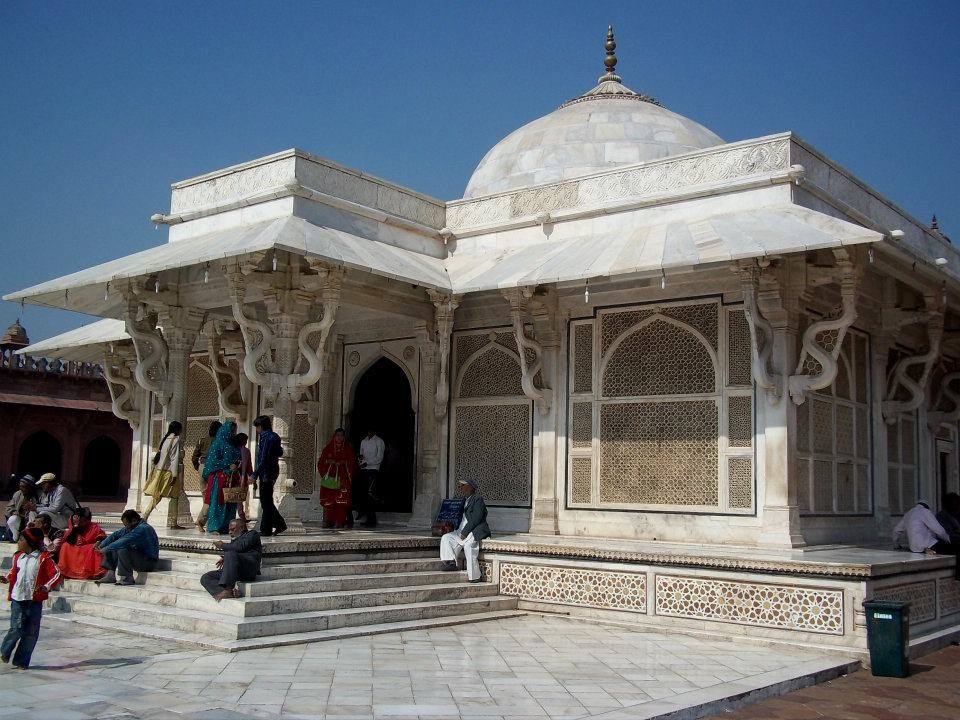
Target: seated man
(22, 508)
(240, 561)
(52, 536)
(134, 547)
(56, 500)
(473, 528)
(924, 534)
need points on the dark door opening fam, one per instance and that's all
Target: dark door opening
(382, 401)
(40, 453)
(101, 468)
(943, 477)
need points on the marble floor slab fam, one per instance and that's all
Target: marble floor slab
(525, 667)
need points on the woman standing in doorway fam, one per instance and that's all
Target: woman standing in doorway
(166, 479)
(337, 465)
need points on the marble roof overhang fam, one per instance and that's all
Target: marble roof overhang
(86, 343)
(649, 244)
(88, 290)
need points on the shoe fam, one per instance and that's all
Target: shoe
(109, 579)
(126, 582)
(4, 658)
(478, 580)
(19, 667)
(448, 566)
(176, 527)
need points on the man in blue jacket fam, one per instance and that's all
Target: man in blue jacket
(266, 471)
(473, 529)
(135, 547)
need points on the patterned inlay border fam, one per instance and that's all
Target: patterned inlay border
(948, 592)
(703, 561)
(584, 587)
(922, 597)
(813, 610)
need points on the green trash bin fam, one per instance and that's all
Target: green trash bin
(888, 637)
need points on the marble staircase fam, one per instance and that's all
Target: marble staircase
(300, 597)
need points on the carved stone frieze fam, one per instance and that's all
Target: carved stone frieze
(646, 180)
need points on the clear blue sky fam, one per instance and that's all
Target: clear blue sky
(102, 105)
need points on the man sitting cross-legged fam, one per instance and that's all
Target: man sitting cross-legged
(240, 561)
(134, 547)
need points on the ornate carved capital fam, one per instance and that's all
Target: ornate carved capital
(530, 378)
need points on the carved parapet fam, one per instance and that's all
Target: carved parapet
(443, 309)
(117, 373)
(761, 334)
(519, 299)
(916, 388)
(822, 340)
(935, 418)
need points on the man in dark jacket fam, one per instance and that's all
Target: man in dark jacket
(473, 529)
(266, 471)
(240, 561)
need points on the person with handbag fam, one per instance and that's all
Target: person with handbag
(336, 466)
(220, 469)
(166, 478)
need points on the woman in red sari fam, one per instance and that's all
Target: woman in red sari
(78, 557)
(336, 466)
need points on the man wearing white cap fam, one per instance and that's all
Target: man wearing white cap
(56, 500)
(473, 528)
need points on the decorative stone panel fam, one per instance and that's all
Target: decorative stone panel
(948, 591)
(787, 607)
(304, 446)
(466, 345)
(582, 358)
(702, 317)
(660, 358)
(581, 424)
(493, 446)
(659, 453)
(201, 393)
(740, 482)
(583, 587)
(486, 570)
(739, 361)
(493, 373)
(192, 432)
(740, 421)
(581, 480)
(922, 597)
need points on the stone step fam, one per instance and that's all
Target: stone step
(298, 585)
(200, 563)
(208, 624)
(248, 607)
(109, 625)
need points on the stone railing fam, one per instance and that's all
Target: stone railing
(27, 363)
(659, 177)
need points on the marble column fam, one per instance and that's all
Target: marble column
(545, 515)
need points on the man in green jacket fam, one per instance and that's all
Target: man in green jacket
(473, 528)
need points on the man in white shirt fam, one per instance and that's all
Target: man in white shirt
(924, 534)
(56, 500)
(372, 449)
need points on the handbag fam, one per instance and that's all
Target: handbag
(330, 482)
(234, 493)
(161, 484)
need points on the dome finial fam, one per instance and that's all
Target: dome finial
(610, 62)
(934, 225)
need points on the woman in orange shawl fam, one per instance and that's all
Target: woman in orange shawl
(336, 466)
(78, 557)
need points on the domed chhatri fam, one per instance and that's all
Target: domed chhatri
(607, 126)
(15, 336)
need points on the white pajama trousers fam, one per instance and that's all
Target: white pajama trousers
(15, 522)
(450, 547)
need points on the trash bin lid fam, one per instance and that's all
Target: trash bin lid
(886, 605)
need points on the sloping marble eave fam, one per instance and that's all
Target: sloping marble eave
(83, 344)
(678, 244)
(84, 291)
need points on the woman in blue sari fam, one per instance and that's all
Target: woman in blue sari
(222, 460)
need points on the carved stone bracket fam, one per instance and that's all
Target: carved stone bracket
(519, 299)
(151, 349)
(117, 371)
(229, 385)
(916, 388)
(935, 418)
(443, 309)
(826, 354)
(761, 334)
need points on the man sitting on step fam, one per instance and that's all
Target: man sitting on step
(134, 547)
(240, 561)
(473, 528)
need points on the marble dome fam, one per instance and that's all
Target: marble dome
(607, 126)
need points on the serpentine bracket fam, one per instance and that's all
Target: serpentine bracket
(443, 309)
(825, 355)
(257, 335)
(227, 377)
(935, 418)
(916, 388)
(151, 349)
(761, 336)
(519, 299)
(331, 286)
(122, 391)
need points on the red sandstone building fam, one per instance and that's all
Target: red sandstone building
(56, 417)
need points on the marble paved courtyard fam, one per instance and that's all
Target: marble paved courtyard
(524, 667)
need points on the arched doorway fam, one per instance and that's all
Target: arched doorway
(39, 453)
(101, 468)
(382, 401)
